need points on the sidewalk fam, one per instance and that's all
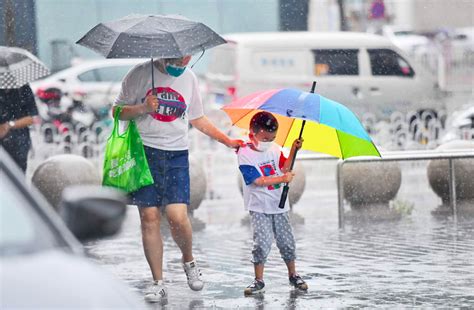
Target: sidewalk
(417, 261)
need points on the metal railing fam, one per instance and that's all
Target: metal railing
(398, 156)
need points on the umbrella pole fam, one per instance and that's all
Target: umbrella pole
(286, 188)
(153, 91)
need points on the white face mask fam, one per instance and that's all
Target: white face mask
(263, 146)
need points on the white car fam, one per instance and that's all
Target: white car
(97, 81)
(366, 72)
(461, 44)
(461, 125)
(405, 38)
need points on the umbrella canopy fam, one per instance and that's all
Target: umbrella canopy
(19, 67)
(146, 36)
(331, 128)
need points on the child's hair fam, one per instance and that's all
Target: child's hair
(263, 121)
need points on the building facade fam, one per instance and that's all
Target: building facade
(62, 22)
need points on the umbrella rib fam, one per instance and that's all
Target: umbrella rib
(177, 44)
(250, 111)
(165, 31)
(288, 133)
(339, 142)
(376, 148)
(171, 33)
(173, 36)
(118, 36)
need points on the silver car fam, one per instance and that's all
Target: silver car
(42, 265)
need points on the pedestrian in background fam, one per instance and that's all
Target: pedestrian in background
(17, 111)
(264, 168)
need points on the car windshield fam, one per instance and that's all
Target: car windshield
(22, 229)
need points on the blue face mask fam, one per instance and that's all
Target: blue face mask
(174, 70)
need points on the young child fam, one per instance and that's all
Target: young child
(264, 169)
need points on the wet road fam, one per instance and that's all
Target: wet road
(419, 260)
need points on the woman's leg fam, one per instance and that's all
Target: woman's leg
(150, 219)
(181, 229)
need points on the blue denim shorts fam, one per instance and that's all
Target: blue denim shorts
(170, 171)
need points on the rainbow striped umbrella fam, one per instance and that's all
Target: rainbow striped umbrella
(329, 127)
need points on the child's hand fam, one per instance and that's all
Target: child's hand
(288, 177)
(298, 143)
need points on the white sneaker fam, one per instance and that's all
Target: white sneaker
(156, 292)
(193, 274)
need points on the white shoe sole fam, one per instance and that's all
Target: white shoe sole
(255, 292)
(154, 299)
(196, 288)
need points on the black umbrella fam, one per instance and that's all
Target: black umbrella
(149, 36)
(146, 36)
(19, 67)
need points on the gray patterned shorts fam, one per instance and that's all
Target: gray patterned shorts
(264, 227)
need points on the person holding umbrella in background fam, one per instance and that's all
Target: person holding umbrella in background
(17, 109)
(17, 102)
(162, 96)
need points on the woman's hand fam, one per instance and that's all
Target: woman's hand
(235, 143)
(151, 104)
(4, 129)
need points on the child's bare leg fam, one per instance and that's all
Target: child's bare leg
(258, 271)
(294, 278)
(291, 268)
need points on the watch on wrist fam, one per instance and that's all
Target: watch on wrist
(11, 124)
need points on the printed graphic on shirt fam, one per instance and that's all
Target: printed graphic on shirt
(171, 104)
(249, 173)
(269, 169)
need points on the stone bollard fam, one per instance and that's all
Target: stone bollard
(369, 187)
(438, 177)
(297, 187)
(56, 173)
(198, 189)
(198, 183)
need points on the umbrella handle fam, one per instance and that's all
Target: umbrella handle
(284, 194)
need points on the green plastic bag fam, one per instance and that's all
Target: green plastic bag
(125, 164)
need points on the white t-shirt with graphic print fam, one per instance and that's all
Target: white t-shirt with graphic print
(179, 101)
(254, 164)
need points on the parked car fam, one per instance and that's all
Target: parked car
(42, 265)
(460, 44)
(405, 38)
(461, 125)
(97, 82)
(366, 72)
